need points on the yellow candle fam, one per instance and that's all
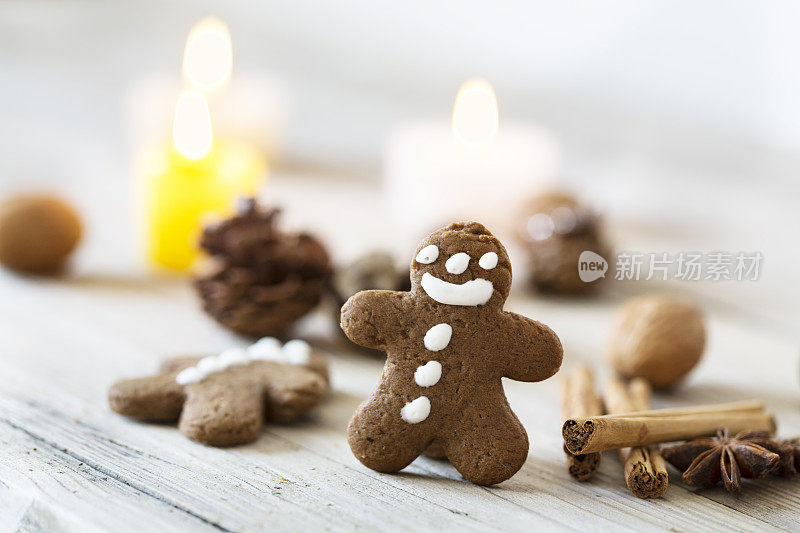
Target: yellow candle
(191, 181)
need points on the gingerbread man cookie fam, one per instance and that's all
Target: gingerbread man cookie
(223, 400)
(448, 344)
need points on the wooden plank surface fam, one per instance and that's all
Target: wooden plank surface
(68, 464)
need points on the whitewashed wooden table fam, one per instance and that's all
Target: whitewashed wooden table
(69, 464)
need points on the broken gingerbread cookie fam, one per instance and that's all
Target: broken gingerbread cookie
(223, 400)
(448, 343)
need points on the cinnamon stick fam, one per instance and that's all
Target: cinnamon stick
(578, 399)
(611, 432)
(645, 470)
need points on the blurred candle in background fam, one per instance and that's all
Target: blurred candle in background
(195, 178)
(190, 181)
(475, 167)
(252, 105)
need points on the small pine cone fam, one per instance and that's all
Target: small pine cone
(555, 229)
(264, 279)
(376, 270)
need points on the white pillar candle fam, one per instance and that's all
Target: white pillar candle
(473, 168)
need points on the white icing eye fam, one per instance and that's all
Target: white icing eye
(428, 255)
(488, 261)
(457, 263)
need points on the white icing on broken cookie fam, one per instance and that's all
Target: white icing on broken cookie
(294, 352)
(416, 411)
(266, 349)
(428, 255)
(192, 374)
(233, 356)
(429, 374)
(474, 292)
(488, 261)
(457, 263)
(438, 337)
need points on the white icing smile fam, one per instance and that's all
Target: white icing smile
(475, 292)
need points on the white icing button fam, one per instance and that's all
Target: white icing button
(190, 375)
(428, 255)
(297, 352)
(457, 263)
(475, 292)
(234, 356)
(488, 261)
(416, 411)
(438, 337)
(266, 349)
(429, 374)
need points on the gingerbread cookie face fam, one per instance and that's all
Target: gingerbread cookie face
(448, 344)
(223, 400)
(462, 266)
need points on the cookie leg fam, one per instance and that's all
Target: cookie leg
(381, 440)
(488, 445)
(221, 414)
(298, 391)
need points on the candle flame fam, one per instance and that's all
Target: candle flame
(208, 58)
(191, 130)
(475, 117)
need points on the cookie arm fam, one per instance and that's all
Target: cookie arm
(533, 351)
(373, 318)
(157, 398)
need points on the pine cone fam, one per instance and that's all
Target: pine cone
(555, 230)
(376, 270)
(264, 279)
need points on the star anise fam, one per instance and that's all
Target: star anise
(706, 461)
(794, 444)
(787, 450)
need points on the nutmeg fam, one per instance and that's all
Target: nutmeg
(657, 338)
(37, 233)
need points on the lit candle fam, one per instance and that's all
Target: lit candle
(195, 178)
(249, 105)
(476, 167)
(191, 180)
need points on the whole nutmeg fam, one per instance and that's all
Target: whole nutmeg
(657, 338)
(37, 233)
